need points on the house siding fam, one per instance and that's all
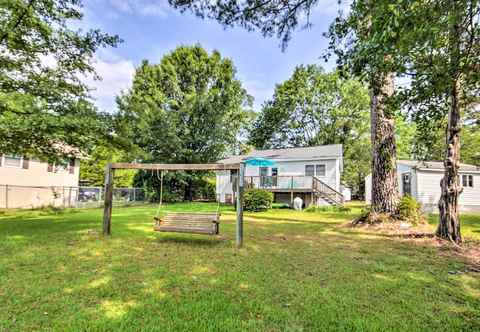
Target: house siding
(285, 168)
(426, 189)
(429, 191)
(37, 175)
(35, 186)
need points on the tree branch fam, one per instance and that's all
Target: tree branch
(17, 23)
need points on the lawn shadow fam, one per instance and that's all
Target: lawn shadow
(312, 218)
(189, 240)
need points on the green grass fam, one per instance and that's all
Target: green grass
(298, 272)
(469, 226)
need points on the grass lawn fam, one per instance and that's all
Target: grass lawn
(298, 272)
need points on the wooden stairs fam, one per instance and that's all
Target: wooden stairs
(327, 193)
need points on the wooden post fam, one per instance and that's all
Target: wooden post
(6, 196)
(240, 187)
(107, 211)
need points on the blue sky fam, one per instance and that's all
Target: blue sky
(150, 29)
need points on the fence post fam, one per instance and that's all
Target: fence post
(134, 195)
(77, 194)
(240, 189)
(107, 211)
(6, 196)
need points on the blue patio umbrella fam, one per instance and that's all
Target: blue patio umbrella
(258, 161)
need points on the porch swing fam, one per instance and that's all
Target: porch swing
(206, 223)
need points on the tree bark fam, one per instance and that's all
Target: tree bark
(449, 223)
(188, 195)
(384, 164)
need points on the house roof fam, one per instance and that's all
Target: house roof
(435, 165)
(312, 152)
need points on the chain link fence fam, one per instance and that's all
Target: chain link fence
(28, 197)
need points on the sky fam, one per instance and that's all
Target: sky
(151, 28)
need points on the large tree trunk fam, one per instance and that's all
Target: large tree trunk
(449, 224)
(384, 163)
(188, 194)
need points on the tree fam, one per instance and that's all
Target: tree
(363, 29)
(92, 170)
(438, 45)
(189, 108)
(43, 102)
(359, 42)
(315, 108)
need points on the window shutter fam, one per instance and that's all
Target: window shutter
(71, 168)
(25, 163)
(50, 167)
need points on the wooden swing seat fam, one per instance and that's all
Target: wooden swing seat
(186, 222)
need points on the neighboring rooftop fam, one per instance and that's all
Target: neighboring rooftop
(312, 152)
(435, 165)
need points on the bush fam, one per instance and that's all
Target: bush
(257, 200)
(410, 210)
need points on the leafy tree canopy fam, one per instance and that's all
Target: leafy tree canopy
(314, 107)
(43, 102)
(272, 17)
(189, 108)
(92, 170)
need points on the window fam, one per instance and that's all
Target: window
(60, 167)
(315, 170)
(406, 183)
(309, 170)
(13, 161)
(320, 170)
(274, 171)
(467, 180)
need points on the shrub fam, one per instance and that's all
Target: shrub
(257, 200)
(410, 210)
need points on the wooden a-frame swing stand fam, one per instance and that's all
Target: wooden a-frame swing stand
(238, 168)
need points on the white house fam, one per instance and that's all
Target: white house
(421, 180)
(311, 173)
(27, 183)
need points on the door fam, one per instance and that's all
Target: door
(407, 184)
(263, 177)
(274, 177)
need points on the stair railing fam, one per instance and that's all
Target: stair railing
(325, 190)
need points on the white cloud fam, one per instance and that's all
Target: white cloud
(142, 7)
(117, 75)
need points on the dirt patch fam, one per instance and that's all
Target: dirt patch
(398, 229)
(424, 234)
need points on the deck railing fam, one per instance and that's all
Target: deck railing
(310, 183)
(279, 182)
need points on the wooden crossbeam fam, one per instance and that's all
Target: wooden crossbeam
(177, 167)
(238, 168)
